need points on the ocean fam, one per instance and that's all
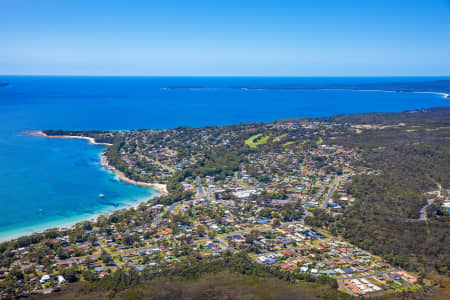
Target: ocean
(52, 182)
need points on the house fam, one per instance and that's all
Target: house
(61, 279)
(44, 279)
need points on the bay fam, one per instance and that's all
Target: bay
(52, 182)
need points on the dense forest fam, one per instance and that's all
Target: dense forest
(411, 159)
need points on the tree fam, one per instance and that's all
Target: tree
(70, 274)
(276, 223)
(106, 258)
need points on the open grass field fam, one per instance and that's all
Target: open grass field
(256, 140)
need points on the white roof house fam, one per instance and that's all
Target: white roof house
(44, 278)
(61, 279)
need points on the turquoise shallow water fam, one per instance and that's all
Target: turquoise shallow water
(57, 182)
(50, 182)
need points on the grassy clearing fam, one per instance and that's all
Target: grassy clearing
(256, 140)
(288, 143)
(278, 138)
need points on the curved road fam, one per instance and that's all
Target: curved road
(423, 210)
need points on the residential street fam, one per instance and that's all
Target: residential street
(330, 193)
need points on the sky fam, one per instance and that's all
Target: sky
(225, 38)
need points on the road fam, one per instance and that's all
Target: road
(105, 251)
(224, 245)
(423, 210)
(137, 250)
(369, 275)
(199, 187)
(331, 191)
(156, 221)
(76, 260)
(239, 182)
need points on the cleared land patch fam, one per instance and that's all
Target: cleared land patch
(256, 140)
(278, 138)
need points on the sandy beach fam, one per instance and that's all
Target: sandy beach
(91, 141)
(160, 188)
(445, 95)
(65, 225)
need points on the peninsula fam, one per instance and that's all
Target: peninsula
(432, 86)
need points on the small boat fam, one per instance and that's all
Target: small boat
(101, 196)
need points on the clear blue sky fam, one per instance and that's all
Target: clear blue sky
(246, 37)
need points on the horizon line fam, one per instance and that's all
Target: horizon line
(262, 76)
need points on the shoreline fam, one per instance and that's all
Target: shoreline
(159, 189)
(67, 225)
(445, 95)
(40, 133)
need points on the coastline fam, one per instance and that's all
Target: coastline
(67, 224)
(445, 95)
(159, 189)
(40, 133)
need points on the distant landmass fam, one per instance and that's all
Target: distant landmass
(434, 86)
(188, 88)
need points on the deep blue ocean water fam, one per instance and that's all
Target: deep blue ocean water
(50, 182)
